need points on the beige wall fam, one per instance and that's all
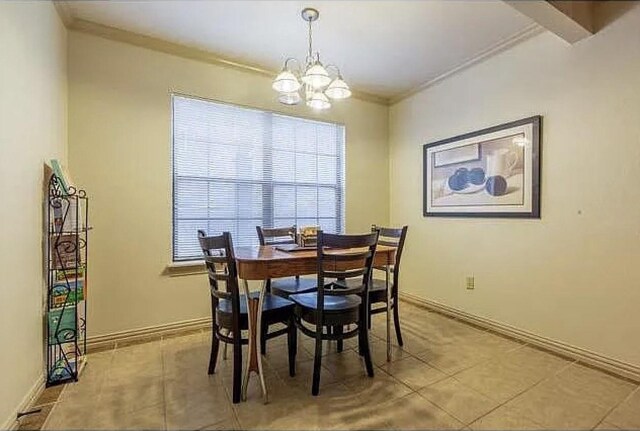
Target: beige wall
(32, 130)
(119, 150)
(574, 275)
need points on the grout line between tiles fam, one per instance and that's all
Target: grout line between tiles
(631, 394)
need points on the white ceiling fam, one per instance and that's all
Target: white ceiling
(382, 47)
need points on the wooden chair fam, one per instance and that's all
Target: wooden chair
(341, 257)
(288, 285)
(229, 308)
(391, 237)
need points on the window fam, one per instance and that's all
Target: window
(235, 168)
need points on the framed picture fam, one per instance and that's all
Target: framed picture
(493, 172)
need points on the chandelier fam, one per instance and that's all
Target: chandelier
(318, 83)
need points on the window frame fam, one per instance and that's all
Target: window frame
(267, 210)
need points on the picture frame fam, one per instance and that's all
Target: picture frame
(493, 172)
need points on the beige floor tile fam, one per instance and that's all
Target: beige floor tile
(345, 365)
(517, 371)
(415, 412)
(454, 357)
(504, 418)
(283, 407)
(595, 386)
(413, 372)
(463, 403)
(35, 421)
(603, 426)
(378, 389)
(337, 407)
(627, 414)
(164, 384)
(556, 405)
(304, 376)
(134, 395)
(379, 352)
(150, 418)
(226, 424)
(198, 408)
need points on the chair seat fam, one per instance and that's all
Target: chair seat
(292, 285)
(377, 284)
(270, 303)
(331, 303)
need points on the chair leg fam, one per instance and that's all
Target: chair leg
(215, 345)
(396, 321)
(237, 370)
(366, 352)
(292, 344)
(369, 315)
(317, 361)
(263, 339)
(338, 330)
(224, 348)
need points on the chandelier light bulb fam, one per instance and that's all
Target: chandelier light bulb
(292, 98)
(338, 89)
(316, 76)
(286, 82)
(319, 101)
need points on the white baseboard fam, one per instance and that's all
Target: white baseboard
(611, 365)
(11, 423)
(140, 334)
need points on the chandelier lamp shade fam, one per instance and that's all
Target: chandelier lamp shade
(317, 83)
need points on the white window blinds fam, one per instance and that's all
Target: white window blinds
(235, 168)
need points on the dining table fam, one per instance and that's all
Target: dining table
(261, 263)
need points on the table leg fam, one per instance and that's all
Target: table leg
(388, 313)
(254, 359)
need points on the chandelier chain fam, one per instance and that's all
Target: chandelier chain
(310, 57)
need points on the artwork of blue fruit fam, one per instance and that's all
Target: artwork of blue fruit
(457, 181)
(476, 176)
(463, 173)
(496, 186)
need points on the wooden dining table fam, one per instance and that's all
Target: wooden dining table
(266, 262)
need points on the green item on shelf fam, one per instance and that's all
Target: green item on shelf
(62, 325)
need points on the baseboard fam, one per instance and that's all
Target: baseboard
(132, 336)
(594, 359)
(11, 423)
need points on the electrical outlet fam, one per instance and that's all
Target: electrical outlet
(471, 282)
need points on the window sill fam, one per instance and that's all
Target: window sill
(179, 269)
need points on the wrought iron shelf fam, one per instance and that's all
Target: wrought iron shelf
(67, 252)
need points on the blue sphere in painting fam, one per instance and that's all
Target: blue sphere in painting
(457, 181)
(463, 174)
(476, 176)
(496, 186)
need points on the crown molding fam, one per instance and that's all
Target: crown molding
(63, 12)
(198, 54)
(528, 32)
(185, 51)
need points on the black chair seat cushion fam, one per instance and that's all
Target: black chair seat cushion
(274, 309)
(331, 303)
(292, 285)
(377, 288)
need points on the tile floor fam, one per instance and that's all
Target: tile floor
(449, 375)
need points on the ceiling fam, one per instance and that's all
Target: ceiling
(384, 48)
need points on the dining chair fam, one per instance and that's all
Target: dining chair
(288, 285)
(331, 307)
(390, 237)
(229, 308)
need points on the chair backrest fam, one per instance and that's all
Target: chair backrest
(345, 257)
(276, 235)
(221, 266)
(393, 237)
